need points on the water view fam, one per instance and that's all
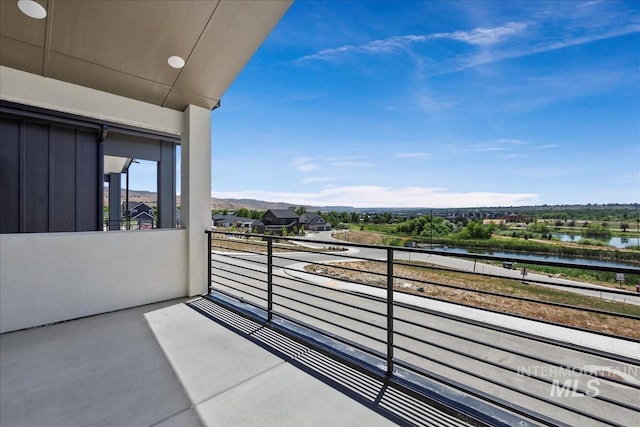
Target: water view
(531, 256)
(616, 241)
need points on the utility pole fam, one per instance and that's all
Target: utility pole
(431, 228)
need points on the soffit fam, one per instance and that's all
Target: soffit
(122, 46)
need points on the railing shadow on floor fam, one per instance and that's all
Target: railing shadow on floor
(377, 394)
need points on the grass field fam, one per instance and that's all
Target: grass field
(424, 279)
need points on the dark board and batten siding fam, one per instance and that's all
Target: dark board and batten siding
(50, 177)
(51, 169)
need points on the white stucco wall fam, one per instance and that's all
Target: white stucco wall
(26, 88)
(196, 192)
(46, 278)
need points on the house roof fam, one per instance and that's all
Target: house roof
(311, 215)
(283, 213)
(220, 217)
(122, 47)
(143, 214)
(315, 220)
(136, 204)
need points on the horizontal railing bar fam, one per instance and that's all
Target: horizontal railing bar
(220, 261)
(514, 278)
(370, 351)
(320, 275)
(484, 396)
(521, 334)
(420, 371)
(507, 350)
(336, 290)
(600, 397)
(226, 249)
(345, 304)
(240, 258)
(342, 267)
(234, 285)
(234, 279)
(346, 328)
(298, 290)
(548, 322)
(350, 257)
(355, 319)
(219, 274)
(513, 297)
(629, 270)
(240, 290)
(471, 306)
(237, 298)
(484, 309)
(519, 298)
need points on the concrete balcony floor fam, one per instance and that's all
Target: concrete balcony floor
(167, 365)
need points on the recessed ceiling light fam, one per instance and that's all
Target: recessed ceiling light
(176, 61)
(32, 9)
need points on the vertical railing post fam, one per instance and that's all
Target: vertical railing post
(269, 278)
(209, 266)
(389, 312)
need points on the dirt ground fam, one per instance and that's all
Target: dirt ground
(470, 295)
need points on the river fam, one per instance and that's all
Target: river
(616, 242)
(528, 256)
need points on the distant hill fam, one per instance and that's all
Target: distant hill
(151, 198)
(258, 205)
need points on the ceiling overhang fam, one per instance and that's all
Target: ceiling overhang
(122, 47)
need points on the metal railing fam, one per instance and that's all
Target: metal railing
(457, 330)
(129, 224)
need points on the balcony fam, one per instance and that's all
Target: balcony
(275, 341)
(423, 324)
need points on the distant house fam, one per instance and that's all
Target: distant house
(314, 222)
(253, 225)
(275, 219)
(139, 214)
(218, 220)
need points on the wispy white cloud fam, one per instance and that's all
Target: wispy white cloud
(545, 147)
(378, 196)
(389, 45)
(497, 145)
(484, 36)
(395, 44)
(494, 44)
(486, 57)
(430, 105)
(303, 164)
(405, 155)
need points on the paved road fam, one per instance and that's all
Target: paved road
(494, 362)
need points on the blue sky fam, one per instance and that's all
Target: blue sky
(437, 104)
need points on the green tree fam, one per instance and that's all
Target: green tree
(243, 212)
(596, 230)
(476, 230)
(539, 227)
